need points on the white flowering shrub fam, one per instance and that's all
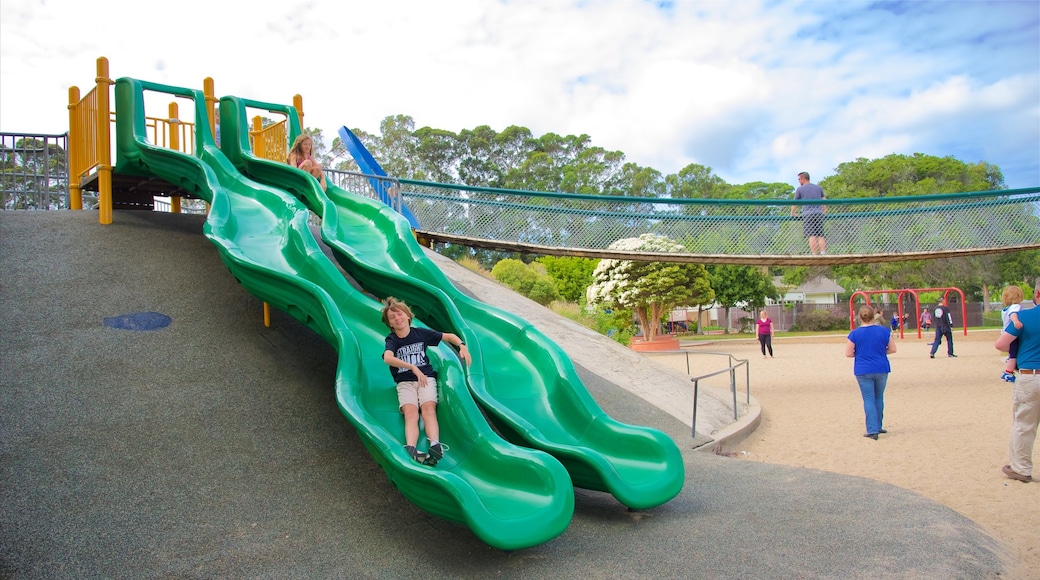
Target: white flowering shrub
(648, 289)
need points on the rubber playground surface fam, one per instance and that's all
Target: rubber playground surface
(213, 446)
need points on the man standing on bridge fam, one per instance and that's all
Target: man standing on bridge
(812, 215)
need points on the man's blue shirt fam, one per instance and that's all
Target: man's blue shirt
(1028, 338)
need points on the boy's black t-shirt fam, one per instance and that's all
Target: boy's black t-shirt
(412, 349)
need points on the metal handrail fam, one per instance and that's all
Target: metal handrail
(731, 369)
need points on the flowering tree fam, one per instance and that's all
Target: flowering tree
(649, 289)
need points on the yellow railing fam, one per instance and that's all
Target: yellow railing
(269, 142)
(90, 143)
(91, 119)
(171, 133)
(272, 142)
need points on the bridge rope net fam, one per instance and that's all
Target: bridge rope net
(754, 232)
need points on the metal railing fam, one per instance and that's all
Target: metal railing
(387, 189)
(733, 365)
(34, 171)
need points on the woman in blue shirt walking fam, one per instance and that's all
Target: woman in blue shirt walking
(870, 346)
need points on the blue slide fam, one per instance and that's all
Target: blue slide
(525, 382)
(511, 497)
(368, 165)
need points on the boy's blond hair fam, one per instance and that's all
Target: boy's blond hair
(392, 303)
(1012, 295)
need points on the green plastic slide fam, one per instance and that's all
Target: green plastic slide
(525, 382)
(511, 497)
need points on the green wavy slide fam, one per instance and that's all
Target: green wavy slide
(526, 383)
(510, 496)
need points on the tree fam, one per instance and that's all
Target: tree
(697, 182)
(437, 155)
(529, 280)
(572, 274)
(1016, 267)
(745, 286)
(396, 150)
(636, 181)
(917, 174)
(649, 289)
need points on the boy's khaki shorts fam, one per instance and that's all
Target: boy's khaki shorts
(409, 393)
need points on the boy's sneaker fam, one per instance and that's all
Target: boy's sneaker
(434, 454)
(1009, 377)
(415, 453)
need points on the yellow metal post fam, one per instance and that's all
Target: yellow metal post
(211, 104)
(209, 91)
(297, 102)
(104, 143)
(75, 151)
(267, 315)
(175, 144)
(257, 142)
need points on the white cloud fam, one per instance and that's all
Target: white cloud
(756, 90)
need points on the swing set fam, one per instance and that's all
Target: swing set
(915, 292)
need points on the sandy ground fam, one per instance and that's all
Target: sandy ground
(949, 422)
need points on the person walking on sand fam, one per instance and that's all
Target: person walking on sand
(870, 345)
(812, 215)
(943, 327)
(1025, 401)
(765, 332)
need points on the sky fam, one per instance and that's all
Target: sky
(756, 90)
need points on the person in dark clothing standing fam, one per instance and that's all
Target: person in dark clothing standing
(943, 327)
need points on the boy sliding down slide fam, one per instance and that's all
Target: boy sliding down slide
(415, 377)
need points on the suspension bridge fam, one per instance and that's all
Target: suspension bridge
(726, 231)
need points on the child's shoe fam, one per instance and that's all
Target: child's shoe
(1009, 377)
(415, 453)
(434, 454)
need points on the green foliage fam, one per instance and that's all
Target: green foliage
(917, 174)
(512, 273)
(649, 289)
(761, 190)
(1022, 266)
(742, 285)
(745, 286)
(526, 280)
(572, 274)
(616, 324)
(820, 320)
(697, 182)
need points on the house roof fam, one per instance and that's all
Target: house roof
(821, 285)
